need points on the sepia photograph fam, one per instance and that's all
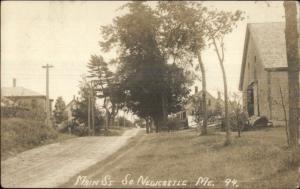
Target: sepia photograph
(150, 94)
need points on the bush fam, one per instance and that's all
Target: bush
(24, 113)
(79, 129)
(174, 124)
(20, 134)
(235, 121)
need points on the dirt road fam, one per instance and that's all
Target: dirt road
(54, 164)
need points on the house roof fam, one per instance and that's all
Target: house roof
(269, 40)
(19, 92)
(199, 95)
(70, 103)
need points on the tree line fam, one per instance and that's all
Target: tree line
(159, 52)
(156, 47)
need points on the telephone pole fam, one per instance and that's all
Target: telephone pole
(89, 111)
(92, 108)
(47, 93)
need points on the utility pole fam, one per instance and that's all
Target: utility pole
(89, 110)
(93, 106)
(47, 93)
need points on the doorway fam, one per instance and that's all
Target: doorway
(250, 101)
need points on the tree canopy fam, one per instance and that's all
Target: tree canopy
(152, 87)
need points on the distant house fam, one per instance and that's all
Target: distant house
(264, 71)
(69, 107)
(211, 102)
(25, 98)
(189, 109)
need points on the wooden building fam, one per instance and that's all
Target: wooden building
(263, 77)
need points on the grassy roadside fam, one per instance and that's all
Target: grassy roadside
(18, 135)
(259, 159)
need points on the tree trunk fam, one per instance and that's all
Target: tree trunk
(151, 125)
(285, 117)
(106, 122)
(238, 124)
(204, 126)
(156, 124)
(227, 126)
(164, 110)
(291, 37)
(147, 125)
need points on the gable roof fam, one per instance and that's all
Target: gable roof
(198, 95)
(269, 40)
(70, 103)
(19, 92)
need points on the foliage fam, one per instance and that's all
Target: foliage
(21, 111)
(121, 120)
(80, 129)
(59, 110)
(140, 122)
(218, 110)
(106, 83)
(151, 86)
(196, 103)
(175, 124)
(18, 134)
(182, 34)
(218, 25)
(80, 112)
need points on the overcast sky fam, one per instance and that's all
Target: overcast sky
(65, 34)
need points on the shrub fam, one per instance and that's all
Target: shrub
(174, 124)
(20, 134)
(24, 113)
(236, 121)
(79, 129)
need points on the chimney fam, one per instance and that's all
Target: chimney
(196, 89)
(14, 82)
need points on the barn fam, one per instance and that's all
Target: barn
(263, 76)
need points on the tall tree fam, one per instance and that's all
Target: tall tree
(218, 25)
(143, 69)
(105, 82)
(183, 35)
(291, 37)
(59, 110)
(80, 112)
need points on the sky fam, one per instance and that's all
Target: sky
(65, 34)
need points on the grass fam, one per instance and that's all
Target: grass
(259, 159)
(18, 135)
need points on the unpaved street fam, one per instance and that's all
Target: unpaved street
(54, 164)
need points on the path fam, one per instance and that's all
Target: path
(54, 164)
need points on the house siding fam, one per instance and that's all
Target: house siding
(267, 96)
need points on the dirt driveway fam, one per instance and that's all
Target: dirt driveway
(54, 164)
